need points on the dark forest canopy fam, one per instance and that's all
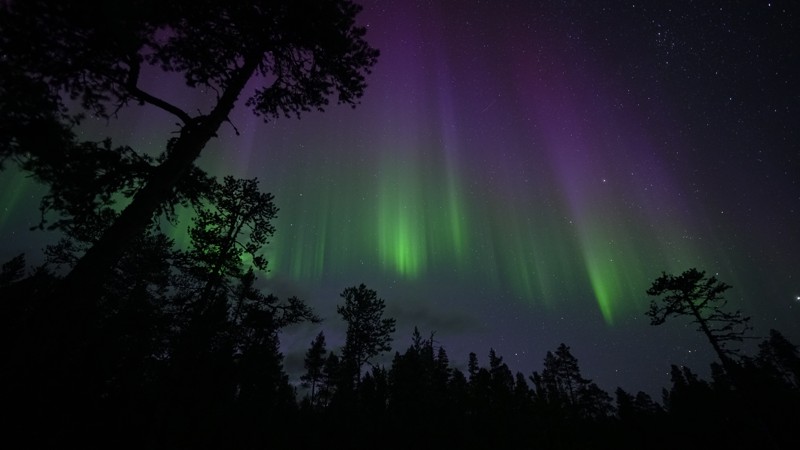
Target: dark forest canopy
(189, 369)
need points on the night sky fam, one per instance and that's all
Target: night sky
(519, 172)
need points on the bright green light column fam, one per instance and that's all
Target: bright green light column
(605, 279)
(401, 223)
(623, 257)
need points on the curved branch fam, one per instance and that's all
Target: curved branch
(132, 85)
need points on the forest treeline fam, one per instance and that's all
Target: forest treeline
(163, 363)
(122, 339)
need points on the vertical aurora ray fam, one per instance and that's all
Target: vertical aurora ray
(456, 208)
(611, 243)
(323, 224)
(613, 269)
(306, 258)
(449, 230)
(423, 219)
(311, 263)
(623, 225)
(401, 222)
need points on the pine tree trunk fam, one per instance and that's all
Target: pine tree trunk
(727, 364)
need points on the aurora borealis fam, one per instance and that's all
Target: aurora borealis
(518, 173)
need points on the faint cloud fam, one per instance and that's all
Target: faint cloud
(429, 319)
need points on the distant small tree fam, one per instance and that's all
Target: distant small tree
(373, 396)
(368, 333)
(522, 393)
(562, 386)
(330, 379)
(441, 370)
(700, 298)
(473, 366)
(781, 357)
(562, 374)
(458, 392)
(689, 394)
(314, 363)
(502, 379)
(625, 404)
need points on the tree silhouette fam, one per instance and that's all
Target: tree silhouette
(368, 333)
(233, 224)
(472, 366)
(562, 377)
(314, 363)
(12, 270)
(331, 376)
(780, 357)
(301, 52)
(34, 121)
(220, 304)
(562, 387)
(502, 381)
(700, 298)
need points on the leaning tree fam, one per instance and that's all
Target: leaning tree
(98, 55)
(369, 334)
(700, 298)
